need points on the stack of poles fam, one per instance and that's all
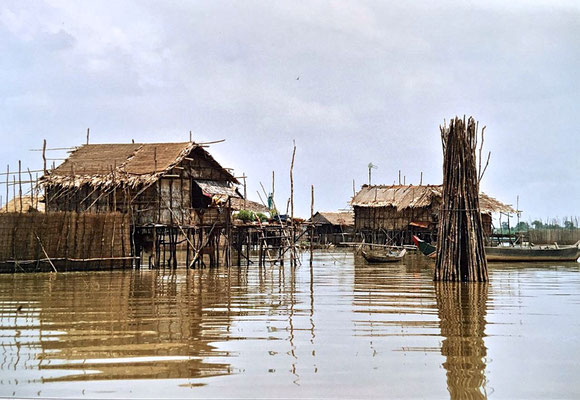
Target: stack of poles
(460, 252)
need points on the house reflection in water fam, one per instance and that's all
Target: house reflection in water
(145, 325)
(462, 309)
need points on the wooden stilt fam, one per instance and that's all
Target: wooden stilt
(7, 185)
(292, 227)
(311, 224)
(20, 185)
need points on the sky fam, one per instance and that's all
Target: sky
(351, 82)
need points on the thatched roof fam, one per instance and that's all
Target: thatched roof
(239, 204)
(404, 197)
(129, 164)
(27, 205)
(339, 218)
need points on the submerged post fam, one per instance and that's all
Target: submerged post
(460, 251)
(292, 227)
(311, 224)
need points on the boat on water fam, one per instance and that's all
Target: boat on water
(375, 257)
(534, 253)
(515, 253)
(426, 248)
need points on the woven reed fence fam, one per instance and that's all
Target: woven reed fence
(549, 236)
(64, 241)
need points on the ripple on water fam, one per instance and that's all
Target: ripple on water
(342, 329)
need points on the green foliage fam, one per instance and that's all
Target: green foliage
(262, 217)
(522, 227)
(246, 216)
(569, 225)
(537, 224)
(250, 216)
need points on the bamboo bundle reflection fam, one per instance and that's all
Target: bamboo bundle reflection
(462, 312)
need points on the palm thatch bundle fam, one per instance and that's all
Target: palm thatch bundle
(460, 252)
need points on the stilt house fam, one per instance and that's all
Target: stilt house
(157, 183)
(395, 213)
(333, 227)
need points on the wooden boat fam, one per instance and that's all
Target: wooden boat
(426, 248)
(376, 257)
(516, 253)
(535, 253)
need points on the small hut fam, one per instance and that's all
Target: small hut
(158, 183)
(333, 227)
(395, 213)
(173, 192)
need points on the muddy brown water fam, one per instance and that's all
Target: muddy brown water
(341, 330)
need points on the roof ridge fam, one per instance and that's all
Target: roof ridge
(131, 144)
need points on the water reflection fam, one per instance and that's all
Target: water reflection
(124, 325)
(462, 309)
(339, 328)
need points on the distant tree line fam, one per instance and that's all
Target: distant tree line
(569, 223)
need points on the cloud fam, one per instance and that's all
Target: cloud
(351, 82)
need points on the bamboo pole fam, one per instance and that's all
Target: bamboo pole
(311, 224)
(292, 227)
(245, 189)
(228, 249)
(44, 156)
(20, 184)
(31, 189)
(7, 185)
(36, 190)
(45, 254)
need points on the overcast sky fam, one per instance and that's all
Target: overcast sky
(351, 82)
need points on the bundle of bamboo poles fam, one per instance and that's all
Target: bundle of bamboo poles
(460, 250)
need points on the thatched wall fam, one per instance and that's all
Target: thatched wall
(68, 238)
(388, 218)
(379, 219)
(168, 201)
